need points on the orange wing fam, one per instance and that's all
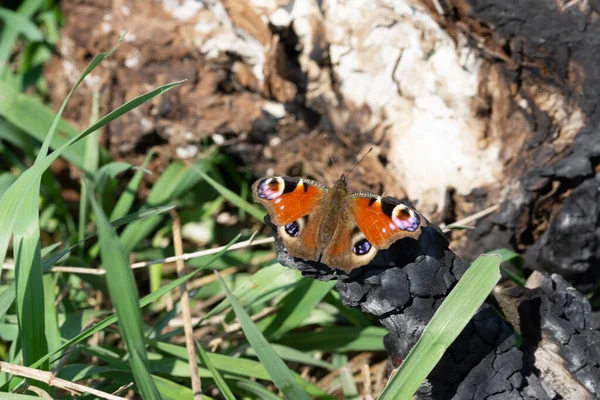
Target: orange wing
(288, 199)
(385, 220)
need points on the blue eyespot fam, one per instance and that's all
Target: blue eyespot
(292, 229)
(361, 247)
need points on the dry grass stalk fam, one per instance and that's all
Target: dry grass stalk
(51, 380)
(185, 310)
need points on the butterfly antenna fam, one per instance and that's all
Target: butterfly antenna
(359, 161)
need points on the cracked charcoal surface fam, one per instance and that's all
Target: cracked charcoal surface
(571, 244)
(548, 53)
(397, 287)
(563, 317)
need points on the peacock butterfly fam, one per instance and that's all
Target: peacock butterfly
(334, 226)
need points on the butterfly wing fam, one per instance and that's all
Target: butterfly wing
(370, 223)
(293, 206)
(287, 199)
(384, 220)
(345, 250)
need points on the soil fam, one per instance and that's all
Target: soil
(467, 104)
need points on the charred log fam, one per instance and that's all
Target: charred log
(403, 287)
(547, 53)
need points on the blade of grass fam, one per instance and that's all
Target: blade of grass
(93, 64)
(91, 160)
(110, 171)
(28, 278)
(174, 391)
(516, 260)
(6, 299)
(279, 372)
(123, 293)
(175, 180)
(146, 300)
(297, 306)
(16, 396)
(22, 24)
(291, 354)
(262, 286)
(256, 389)
(147, 213)
(447, 323)
(28, 261)
(348, 384)
(126, 199)
(10, 202)
(10, 33)
(17, 108)
(337, 338)
(51, 318)
(232, 197)
(222, 385)
(238, 366)
(8, 296)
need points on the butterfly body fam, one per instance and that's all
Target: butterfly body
(337, 227)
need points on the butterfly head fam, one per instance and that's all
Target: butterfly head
(341, 183)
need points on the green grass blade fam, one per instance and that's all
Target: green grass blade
(6, 299)
(123, 293)
(516, 260)
(508, 255)
(262, 286)
(10, 202)
(338, 339)
(28, 263)
(8, 296)
(279, 372)
(16, 396)
(233, 197)
(222, 385)
(175, 180)
(17, 109)
(91, 161)
(21, 23)
(9, 33)
(28, 278)
(237, 366)
(125, 108)
(93, 64)
(173, 391)
(110, 171)
(348, 384)
(126, 199)
(147, 213)
(146, 300)
(297, 306)
(6, 179)
(256, 389)
(51, 318)
(291, 354)
(447, 323)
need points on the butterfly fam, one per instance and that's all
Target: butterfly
(334, 226)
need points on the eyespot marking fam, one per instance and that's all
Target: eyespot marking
(271, 188)
(361, 247)
(292, 229)
(405, 218)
